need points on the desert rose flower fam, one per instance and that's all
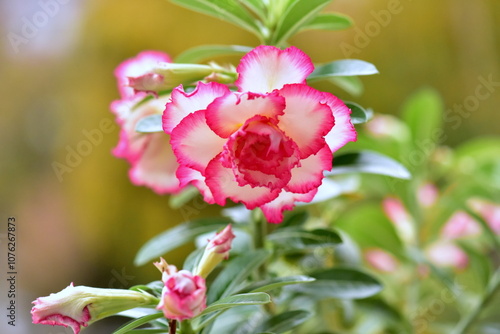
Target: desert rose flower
(266, 145)
(216, 251)
(153, 163)
(79, 306)
(184, 294)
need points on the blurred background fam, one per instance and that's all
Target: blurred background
(85, 223)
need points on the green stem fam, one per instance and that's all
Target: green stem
(186, 327)
(465, 324)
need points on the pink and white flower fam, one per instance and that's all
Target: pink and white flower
(447, 254)
(265, 145)
(79, 306)
(184, 294)
(153, 163)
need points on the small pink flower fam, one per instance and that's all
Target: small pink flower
(397, 214)
(266, 145)
(460, 225)
(184, 294)
(150, 154)
(427, 194)
(216, 251)
(79, 306)
(381, 260)
(447, 254)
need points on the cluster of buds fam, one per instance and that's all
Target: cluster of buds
(183, 295)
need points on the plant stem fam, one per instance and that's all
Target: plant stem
(173, 326)
(186, 327)
(493, 286)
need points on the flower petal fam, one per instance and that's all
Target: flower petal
(223, 185)
(267, 68)
(229, 112)
(183, 104)
(187, 175)
(309, 174)
(306, 120)
(273, 211)
(194, 143)
(137, 66)
(343, 131)
(157, 166)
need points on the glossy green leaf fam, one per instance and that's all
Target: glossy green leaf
(343, 67)
(150, 124)
(204, 52)
(298, 13)
(298, 239)
(256, 298)
(176, 237)
(284, 322)
(329, 21)
(358, 113)
(423, 113)
(228, 10)
(256, 6)
(278, 282)
(149, 331)
(138, 322)
(368, 162)
(352, 84)
(235, 272)
(343, 283)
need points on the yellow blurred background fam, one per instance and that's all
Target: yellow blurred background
(86, 224)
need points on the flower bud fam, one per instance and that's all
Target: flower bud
(165, 76)
(79, 306)
(184, 294)
(216, 251)
(403, 222)
(381, 260)
(447, 254)
(460, 225)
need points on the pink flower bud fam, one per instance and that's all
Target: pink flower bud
(403, 222)
(427, 195)
(489, 211)
(216, 251)
(381, 260)
(183, 296)
(79, 306)
(460, 225)
(447, 254)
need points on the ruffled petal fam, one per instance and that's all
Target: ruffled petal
(267, 68)
(194, 143)
(229, 112)
(306, 119)
(223, 185)
(273, 211)
(137, 66)
(183, 104)
(309, 175)
(187, 175)
(157, 166)
(343, 131)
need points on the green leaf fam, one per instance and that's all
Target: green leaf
(177, 201)
(329, 21)
(150, 124)
(176, 237)
(228, 10)
(368, 162)
(423, 113)
(343, 283)
(149, 331)
(352, 85)
(193, 259)
(278, 282)
(299, 13)
(236, 271)
(284, 322)
(138, 322)
(298, 239)
(257, 6)
(343, 67)
(204, 52)
(358, 113)
(256, 298)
